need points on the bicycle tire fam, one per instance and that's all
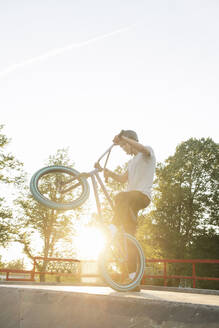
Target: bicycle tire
(122, 287)
(34, 188)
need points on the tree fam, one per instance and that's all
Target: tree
(51, 227)
(205, 246)
(186, 197)
(11, 173)
(14, 265)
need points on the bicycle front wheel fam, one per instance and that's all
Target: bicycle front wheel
(115, 266)
(59, 188)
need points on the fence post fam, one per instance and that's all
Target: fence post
(165, 273)
(193, 274)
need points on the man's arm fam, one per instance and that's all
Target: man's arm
(119, 178)
(136, 145)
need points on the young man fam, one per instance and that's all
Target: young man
(139, 175)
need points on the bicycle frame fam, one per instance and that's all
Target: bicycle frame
(95, 178)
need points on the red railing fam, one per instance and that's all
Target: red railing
(23, 272)
(33, 272)
(194, 277)
(165, 276)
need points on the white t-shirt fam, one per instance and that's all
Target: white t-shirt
(141, 169)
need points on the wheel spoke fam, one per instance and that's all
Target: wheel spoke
(47, 187)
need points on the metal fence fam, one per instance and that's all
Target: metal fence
(85, 272)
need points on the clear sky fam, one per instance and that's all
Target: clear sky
(158, 74)
(74, 73)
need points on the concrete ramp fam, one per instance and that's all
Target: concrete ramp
(36, 306)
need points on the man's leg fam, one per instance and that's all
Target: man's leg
(121, 208)
(127, 205)
(137, 201)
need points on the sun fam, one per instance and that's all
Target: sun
(89, 243)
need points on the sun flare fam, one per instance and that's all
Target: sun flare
(89, 243)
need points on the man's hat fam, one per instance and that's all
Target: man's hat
(129, 134)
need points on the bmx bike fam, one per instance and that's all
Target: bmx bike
(64, 188)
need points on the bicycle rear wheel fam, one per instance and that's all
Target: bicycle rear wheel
(114, 263)
(59, 188)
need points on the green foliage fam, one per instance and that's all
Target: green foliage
(186, 197)
(206, 246)
(5, 219)
(144, 235)
(14, 265)
(11, 170)
(11, 173)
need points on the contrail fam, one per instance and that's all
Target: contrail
(59, 51)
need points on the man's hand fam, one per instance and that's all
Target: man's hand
(97, 166)
(117, 139)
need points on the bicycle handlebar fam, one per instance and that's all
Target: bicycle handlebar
(97, 164)
(106, 152)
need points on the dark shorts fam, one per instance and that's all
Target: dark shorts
(127, 205)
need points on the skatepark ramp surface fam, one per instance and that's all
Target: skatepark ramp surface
(62, 306)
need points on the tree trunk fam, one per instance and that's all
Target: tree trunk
(42, 275)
